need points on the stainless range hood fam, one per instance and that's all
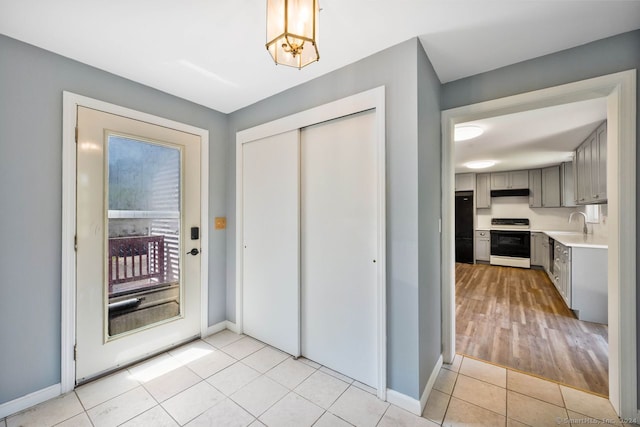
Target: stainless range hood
(510, 193)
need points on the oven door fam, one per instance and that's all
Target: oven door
(516, 244)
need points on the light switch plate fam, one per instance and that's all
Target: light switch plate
(220, 223)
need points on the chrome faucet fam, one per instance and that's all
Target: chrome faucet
(585, 230)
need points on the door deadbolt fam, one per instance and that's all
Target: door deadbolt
(193, 251)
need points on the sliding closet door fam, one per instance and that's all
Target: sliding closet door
(339, 225)
(271, 227)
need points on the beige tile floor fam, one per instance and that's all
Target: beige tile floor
(234, 380)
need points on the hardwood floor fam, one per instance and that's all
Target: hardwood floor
(514, 317)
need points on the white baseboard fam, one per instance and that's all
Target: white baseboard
(214, 329)
(432, 380)
(232, 327)
(403, 401)
(221, 326)
(29, 400)
(413, 405)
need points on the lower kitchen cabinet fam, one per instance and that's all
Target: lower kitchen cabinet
(580, 275)
(544, 244)
(483, 245)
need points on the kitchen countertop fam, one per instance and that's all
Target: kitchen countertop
(578, 240)
(567, 238)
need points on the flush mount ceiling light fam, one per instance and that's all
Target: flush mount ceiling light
(464, 132)
(480, 164)
(292, 28)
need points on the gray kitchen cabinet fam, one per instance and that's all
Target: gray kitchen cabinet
(562, 271)
(545, 255)
(599, 166)
(535, 188)
(567, 185)
(582, 181)
(464, 181)
(591, 168)
(483, 190)
(587, 282)
(579, 274)
(510, 180)
(538, 253)
(483, 245)
(551, 187)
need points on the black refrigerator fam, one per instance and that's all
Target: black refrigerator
(464, 226)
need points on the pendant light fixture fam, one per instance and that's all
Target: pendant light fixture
(292, 30)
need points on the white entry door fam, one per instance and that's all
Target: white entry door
(138, 196)
(339, 245)
(270, 249)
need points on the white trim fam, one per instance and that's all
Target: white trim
(403, 401)
(68, 297)
(432, 381)
(68, 304)
(413, 405)
(21, 403)
(371, 99)
(620, 91)
(233, 327)
(204, 230)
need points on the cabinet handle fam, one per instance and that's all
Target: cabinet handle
(595, 196)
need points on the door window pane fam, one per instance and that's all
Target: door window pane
(143, 251)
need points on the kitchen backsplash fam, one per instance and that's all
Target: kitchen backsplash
(540, 218)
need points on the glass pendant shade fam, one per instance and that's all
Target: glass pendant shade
(292, 28)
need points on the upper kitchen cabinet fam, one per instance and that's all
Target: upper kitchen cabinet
(464, 181)
(591, 168)
(567, 185)
(535, 188)
(551, 187)
(599, 163)
(483, 190)
(510, 180)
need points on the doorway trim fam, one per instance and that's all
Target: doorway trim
(371, 99)
(620, 91)
(70, 103)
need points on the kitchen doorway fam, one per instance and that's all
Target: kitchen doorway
(619, 89)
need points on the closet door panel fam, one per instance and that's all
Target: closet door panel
(271, 287)
(339, 245)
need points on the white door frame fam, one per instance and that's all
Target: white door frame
(371, 99)
(620, 91)
(68, 301)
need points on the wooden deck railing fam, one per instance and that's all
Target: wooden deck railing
(135, 258)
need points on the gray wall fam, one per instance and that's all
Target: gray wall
(31, 85)
(429, 207)
(602, 57)
(396, 68)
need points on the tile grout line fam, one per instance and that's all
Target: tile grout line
(454, 387)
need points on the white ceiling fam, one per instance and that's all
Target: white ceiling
(212, 52)
(531, 139)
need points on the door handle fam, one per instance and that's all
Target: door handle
(193, 251)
